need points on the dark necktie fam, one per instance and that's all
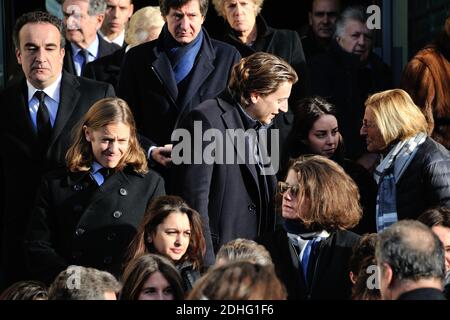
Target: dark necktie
(84, 55)
(44, 127)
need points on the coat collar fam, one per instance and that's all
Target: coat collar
(161, 65)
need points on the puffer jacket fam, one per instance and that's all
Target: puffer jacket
(426, 181)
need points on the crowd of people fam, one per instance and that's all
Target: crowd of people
(266, 164)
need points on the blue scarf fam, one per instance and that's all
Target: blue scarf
(182, 57)
(388, 173)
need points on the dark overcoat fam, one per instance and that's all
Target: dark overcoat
(76, 222)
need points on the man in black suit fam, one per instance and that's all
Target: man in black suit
(42, 110)
(227, 176)
(82, 19)
(411, 263)
(163, 80)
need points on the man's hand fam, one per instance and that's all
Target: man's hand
(163, 155)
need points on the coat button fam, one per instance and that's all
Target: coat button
(123, 191)
(107, 260)
(117, 214)
(79, 231)
(78, 187)
(111, 236)
(252, 208)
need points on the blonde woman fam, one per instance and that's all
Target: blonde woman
(414, 173)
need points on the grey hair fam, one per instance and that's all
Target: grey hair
(95, 7)
(82, 283)
(219, 5)
(412, 250)
(351, 13)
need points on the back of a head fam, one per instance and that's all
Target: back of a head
(25, 290)
(239, 280)
(142, 24)
(81, 283)
(243, 249)
(412, 251)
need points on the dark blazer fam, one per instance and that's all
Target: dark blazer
(331, 274)
(106, 68)
(229, 197)
(21, 161)
(148, 84)
(287, 45)
(104, 48)
(75, 222)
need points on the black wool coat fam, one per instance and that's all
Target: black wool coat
(76, 222)
(228, 196)
(330, 280)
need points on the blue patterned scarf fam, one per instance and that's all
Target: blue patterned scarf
(388, 173)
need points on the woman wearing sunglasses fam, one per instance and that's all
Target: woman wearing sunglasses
(316, 131)
(320, 202)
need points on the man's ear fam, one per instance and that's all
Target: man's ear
(99, 18)
(310, 18)
(18, 56)
(254, 97)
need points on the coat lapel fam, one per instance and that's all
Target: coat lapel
(233, 121)
(164, 73)
(68, 100)
(200, 72)
(20, 114)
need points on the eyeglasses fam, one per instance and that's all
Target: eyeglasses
(283, 187)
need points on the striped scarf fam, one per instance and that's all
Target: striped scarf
(388, 173)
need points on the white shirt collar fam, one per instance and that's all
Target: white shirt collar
(119, 40)
(53, 90)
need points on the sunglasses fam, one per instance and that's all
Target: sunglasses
(283, 187)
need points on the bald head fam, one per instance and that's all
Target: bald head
(412, 251)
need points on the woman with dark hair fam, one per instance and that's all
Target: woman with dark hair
(312, 250)
(88, 213)
(25, 290)
(316, 131)
(151, 277)
(174, 230)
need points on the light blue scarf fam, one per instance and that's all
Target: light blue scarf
(387, 175)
